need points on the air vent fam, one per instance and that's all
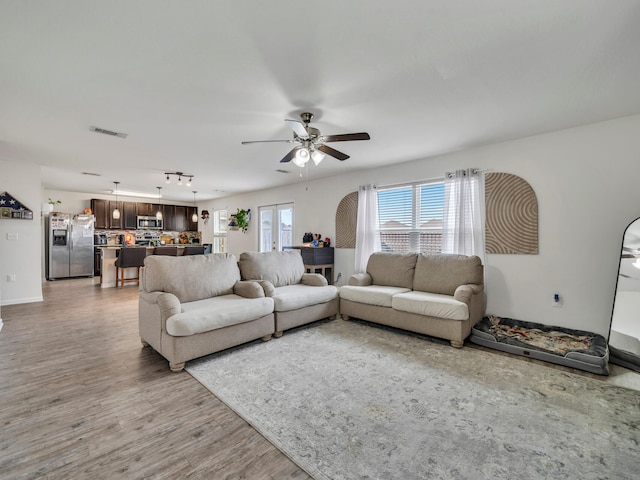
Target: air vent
(91, 174)
(282, 171)
(108, 132)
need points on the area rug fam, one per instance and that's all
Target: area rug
(348, 400)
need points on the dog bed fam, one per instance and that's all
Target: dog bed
(563, 346)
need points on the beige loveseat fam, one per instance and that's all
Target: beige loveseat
(192, 306)
(299, 297)
(437, 295)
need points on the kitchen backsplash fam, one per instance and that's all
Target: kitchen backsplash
(115, 237)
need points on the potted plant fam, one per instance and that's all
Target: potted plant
(240, 220)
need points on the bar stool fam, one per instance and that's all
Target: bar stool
(193, 250)
(129, 257)
(173, 251)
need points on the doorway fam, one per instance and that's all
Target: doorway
(624, 337)
(276, 226)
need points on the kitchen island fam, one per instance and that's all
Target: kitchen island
(108, 255)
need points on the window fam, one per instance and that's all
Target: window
(410, 217)
(220, 221)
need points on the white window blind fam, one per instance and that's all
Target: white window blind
(410, 217)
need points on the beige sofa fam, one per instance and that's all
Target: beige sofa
(437, 295)
(299, 297)
(192, 306)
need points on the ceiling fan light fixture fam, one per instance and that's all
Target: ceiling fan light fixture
(301, 158)
(317, 156)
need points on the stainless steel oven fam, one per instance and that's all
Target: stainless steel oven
(150, 222)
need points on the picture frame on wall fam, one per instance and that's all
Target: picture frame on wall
(16, 214)
(5, 212)
(27, 215)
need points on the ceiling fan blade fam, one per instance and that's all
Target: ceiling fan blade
(297, 127)
(333, 152)
(289, 156)
(346, 137)
(267, 141)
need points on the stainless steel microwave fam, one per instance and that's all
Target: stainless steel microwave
(149, 222)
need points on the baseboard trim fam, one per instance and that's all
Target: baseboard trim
(18, 301)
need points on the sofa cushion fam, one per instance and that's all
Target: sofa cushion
(392, 269)
(217, 312)
(192, 277)
(292, 297)
(280, 268)
(431, 304)
(444, 273)
(378, 295)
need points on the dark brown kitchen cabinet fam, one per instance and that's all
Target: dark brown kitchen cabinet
(181, 223)
(100, 209)
(169, 217)
(193, 226)
(175, 217)
(144, 209)
(154, 209)
(129, 214)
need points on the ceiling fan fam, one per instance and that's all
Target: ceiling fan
(311, 143)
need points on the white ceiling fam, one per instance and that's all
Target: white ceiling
(189, 80)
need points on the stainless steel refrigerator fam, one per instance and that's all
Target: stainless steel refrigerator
(69, 246)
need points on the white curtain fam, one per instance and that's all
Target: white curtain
(367, 240)
(463, 222)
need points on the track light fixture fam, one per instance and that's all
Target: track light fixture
(188, 177)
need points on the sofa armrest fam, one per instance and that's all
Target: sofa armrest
(360, 279)
(464, 292)
(168, 303)
(267, 286)
(313, 280)
(248, 289)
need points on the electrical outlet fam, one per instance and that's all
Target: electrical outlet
(12, 236)
(556, 301)
(11, 277)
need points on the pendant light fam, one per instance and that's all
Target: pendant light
(159, 212)
(194, 217)
(116, 212)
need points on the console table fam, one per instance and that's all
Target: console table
(317, 260)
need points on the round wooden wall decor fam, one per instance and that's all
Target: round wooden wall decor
(346, 221)
(511, 215)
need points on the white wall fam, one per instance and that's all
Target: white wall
(22, 256)
(586, 182)
(74, 202)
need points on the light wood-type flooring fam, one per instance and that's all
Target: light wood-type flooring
(80, 398)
